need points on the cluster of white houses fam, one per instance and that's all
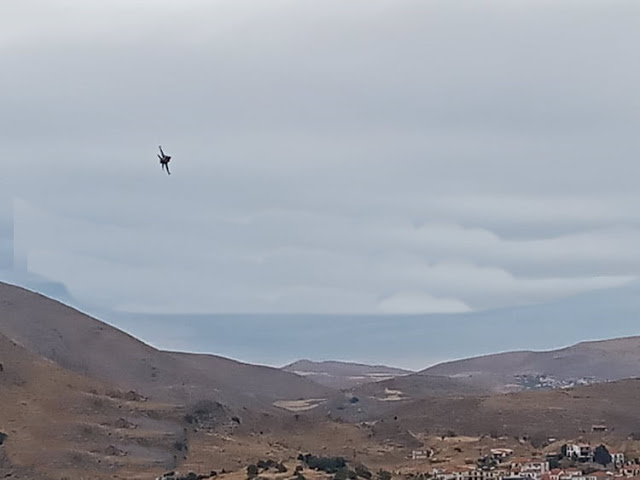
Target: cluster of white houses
(506, 467)
(583, 452)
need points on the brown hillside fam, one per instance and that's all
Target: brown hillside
(564, 413)
(411, 387)
(92, 348)
(61, 422)
(604, 360)
(58, 422)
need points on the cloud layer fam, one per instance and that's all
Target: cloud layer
(369, 157)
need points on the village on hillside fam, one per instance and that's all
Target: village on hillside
(574, 461)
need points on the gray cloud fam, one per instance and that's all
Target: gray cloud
(367, 157)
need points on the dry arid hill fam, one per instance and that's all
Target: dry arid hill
(80, 395)
(87, 346)
(59, 422)
(81, 399)
(522, 421)
(562, 413)
(597, 361)
(369, 401)
(411, 387)
(343, 375)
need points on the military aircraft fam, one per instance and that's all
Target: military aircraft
(164, 160)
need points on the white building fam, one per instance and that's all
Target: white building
(617, 459)
(581, 452)
(420, 454)
(534, 469)
(500, 454)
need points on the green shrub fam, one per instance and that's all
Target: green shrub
(383, 475)
(325, 464)
(252, 471)
(362, 471)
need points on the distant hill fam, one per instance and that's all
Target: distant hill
(370, 401)
(586, 362)
(90, 347)
(581, 364)
(409, 341)
(343, 375)
(563, 413)
(415, 386)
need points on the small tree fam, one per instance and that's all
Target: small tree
(487, 462)
(363, 472)
(252, 471)
(601, 455)
(340, 474)
(554, 462)
(326, 464)
(384, 475)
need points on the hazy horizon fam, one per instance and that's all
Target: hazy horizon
(370, 157)
(413, 342)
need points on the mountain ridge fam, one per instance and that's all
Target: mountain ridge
(594, 360)
(341, 374)
(99, 399)
(84, 344)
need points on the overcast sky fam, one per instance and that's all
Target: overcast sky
(329, 156)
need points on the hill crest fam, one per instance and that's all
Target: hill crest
(343, 375)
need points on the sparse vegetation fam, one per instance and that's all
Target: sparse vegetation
(252, 471)
(383, 475)
(208, 414)
(265, 465)
(181, 445)
(341, 474)
(325, 464)
(188, 476)
(487, 463)
(601, 455)
(363, 472)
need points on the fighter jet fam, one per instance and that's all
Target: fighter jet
(164, 160)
